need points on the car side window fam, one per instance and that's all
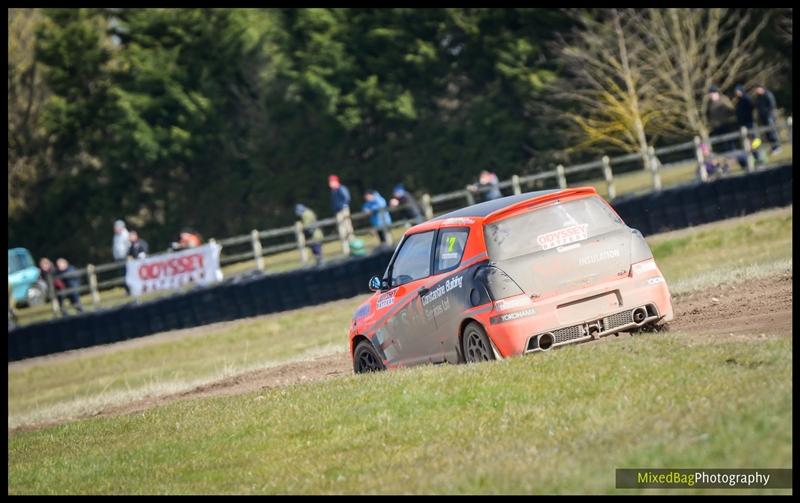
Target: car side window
(413, 260)
(450, 248)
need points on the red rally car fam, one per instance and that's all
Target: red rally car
(516, 275)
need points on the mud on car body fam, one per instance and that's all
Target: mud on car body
(516, 275)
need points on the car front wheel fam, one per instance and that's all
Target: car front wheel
(366, 359)
(475, 344)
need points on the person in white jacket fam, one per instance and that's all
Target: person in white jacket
(121, 243)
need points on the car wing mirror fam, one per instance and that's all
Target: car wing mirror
(375, 283)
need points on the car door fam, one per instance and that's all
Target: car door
(404, 332)
(447, 295)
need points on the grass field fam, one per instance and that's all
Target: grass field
(555, 424)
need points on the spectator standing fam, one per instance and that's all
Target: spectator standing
(488, 185)
(379, 218)
(411, 207)
(340, 204)
(311, 230)
(139, 247)
(66, 273)
(744, 118)
(121, 245)
(121, 242)
(187, 239)
(744, 108)
(721, 118)
(765, 110)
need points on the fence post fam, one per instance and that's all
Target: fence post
(646, 158)
(92, 273)
(387, 229)
(470, 197)
(789, 126)
(651, 153)
(701, 159)
(562, 176)
(609, 176)
(748, 150)
(257, 249)
(427, 206)
(301, 241)
(515, 184)
(53, 296)
(343, 226)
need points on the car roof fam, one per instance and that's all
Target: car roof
(485, 208)
(489, 211)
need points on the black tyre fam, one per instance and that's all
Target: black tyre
(366, 359)
(475, 345)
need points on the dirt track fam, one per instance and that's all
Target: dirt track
(755, 309)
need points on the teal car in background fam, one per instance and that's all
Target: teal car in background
(24, 278)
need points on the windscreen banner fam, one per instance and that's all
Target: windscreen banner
(171, 271)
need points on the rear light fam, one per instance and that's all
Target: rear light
(643, 267)
(640, 251)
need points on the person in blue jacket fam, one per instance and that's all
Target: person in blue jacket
(379, 217)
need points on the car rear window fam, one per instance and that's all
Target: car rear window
(549, 227)
(18, 261)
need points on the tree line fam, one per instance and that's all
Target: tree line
(223, 119)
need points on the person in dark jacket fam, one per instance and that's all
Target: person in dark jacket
(744, 118)
(744, 108)
(340, 196)
(765, 111)
(405, 199)
(721, 118)
(340, 204)
(139, 247)
(66, 274)
(488, 186)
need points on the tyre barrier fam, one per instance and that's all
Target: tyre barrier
(257, 294)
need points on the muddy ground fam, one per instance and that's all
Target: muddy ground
(754, 309)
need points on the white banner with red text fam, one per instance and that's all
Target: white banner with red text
(170, 271)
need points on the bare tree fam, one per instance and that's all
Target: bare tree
(785, 25)
(608, 90)
(693, 49)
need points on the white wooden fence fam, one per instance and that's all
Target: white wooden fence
(292, 237)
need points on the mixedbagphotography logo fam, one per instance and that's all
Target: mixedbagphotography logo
(703, 478)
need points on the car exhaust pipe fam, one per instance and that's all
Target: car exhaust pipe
(545, 341)
(639, 315)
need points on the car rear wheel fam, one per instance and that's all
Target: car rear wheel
(35, 296)
(475, 344)
(366, 359)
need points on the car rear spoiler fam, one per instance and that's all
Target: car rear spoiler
(537, 200)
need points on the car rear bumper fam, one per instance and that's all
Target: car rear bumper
(580, 316)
